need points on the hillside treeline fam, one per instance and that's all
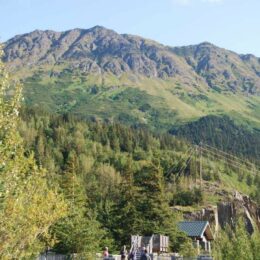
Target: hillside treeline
(223, 133)
(115, 175)
(111, 176)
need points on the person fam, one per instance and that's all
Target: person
(131, 256)
(105, 253)
(145, 256)
(123, 253)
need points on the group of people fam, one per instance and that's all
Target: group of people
(131, 256)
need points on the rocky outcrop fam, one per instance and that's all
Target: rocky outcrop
(228, 212)
(100, 50)
(240, 206)
(95, 50)
(223, 69)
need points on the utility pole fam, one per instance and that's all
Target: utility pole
(200, 165)
(73, 192)
(195, 165)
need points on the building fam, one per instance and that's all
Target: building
(200, 232)
(153, 244)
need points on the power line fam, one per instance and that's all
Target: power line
(220, 155)
(228, 154)
(231, 162)
(182, 159)
(187, 162)
(204, 149)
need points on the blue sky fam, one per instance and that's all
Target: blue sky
(232, 24)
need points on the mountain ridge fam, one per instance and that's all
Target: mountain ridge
(100, 50)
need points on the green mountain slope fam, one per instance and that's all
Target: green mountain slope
(98, 73)
(224, 134)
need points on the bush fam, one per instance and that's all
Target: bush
(187, 198)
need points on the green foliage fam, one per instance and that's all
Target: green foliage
(153, 203)
(187, 249)
(119, 179)
(155, 213)
(127, 217)
(29, 206)
(79, 232)
(223, 133)
(125, 191)
(187, 197)
(255, 244)
(236, 244)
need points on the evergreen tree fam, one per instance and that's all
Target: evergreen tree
(153, 204)
(79, 232)
(156, 215)
(241, 242)
(126, 216)
(223, 247)
(236, 244)
(255, 244)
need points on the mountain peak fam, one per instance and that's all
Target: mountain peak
(101, 50)
(206, 44)
(98, 28)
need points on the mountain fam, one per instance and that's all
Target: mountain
(99, 74)
(223, 69)
(99, 50)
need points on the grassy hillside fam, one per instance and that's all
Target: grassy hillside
(143, 100)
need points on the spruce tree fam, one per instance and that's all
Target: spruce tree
(79, 233)
(236, 243)
(152, 204)
(125, 213)
(255, 244)
(241, 241)
(155, 213)
(223, 247)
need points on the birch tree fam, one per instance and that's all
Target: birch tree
(28, 205)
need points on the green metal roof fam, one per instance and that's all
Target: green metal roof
(193, 228)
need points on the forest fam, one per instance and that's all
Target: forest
(223, 133)
(76, 186)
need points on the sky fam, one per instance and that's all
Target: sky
(231, 24)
